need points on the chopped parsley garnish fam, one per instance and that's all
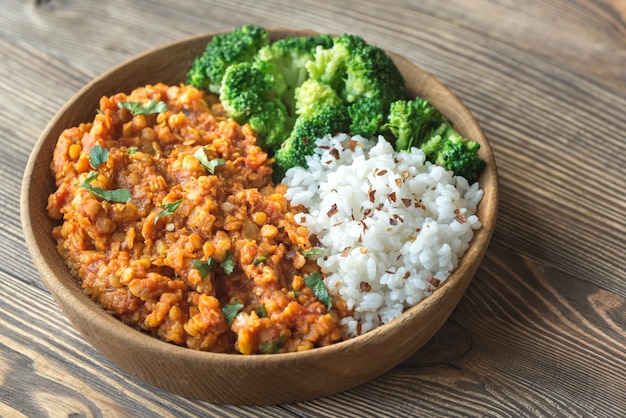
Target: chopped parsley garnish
(91, 177)
(98, 155)
(261, 312)
(168, 209)
(272, 347)
(314, 251)
(138, 108)
(231, 311)
(117, 195)
(229, 264)
(132, 150)
(204, 267)
(208, 164)
(315, 282)
(259, 259)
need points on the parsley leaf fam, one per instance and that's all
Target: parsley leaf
(98, 155)
(314, 251)
(204, 267)
(138, 108)
(272, 347)
(208, 164)
(315, 282)
(214, 163)
(259, 259)
(132, 150)
(229, 264)
(117, 195)
(261, 312)
(168, 209)
(91, 176)
(231, 311)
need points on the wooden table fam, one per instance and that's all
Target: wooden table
(541, 329)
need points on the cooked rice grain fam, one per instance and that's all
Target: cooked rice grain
(393, 225)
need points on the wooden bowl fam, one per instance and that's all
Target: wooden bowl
(231, 378)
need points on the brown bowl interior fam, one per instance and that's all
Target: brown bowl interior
(227, 378)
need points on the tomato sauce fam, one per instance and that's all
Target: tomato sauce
(204, 256)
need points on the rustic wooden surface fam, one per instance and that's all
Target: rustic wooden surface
(541, 330)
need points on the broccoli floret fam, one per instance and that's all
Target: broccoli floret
(461, 156)
(291, 56)
(417, 123)
(450, 150)
(239, 45)
(272, 124)
(371, 73)
(412, 122)
(320, 122)
(250, 93)
(328, 64)
(364, 76)
(311, 94)
(322, 84)
(367, 116)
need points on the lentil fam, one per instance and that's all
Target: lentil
(138, 265)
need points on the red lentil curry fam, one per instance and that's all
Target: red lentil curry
(171, 223)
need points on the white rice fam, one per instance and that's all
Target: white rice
(393, 225)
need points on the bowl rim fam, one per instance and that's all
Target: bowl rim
(478, 245)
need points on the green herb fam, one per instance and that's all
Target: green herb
(132, 150)
(214, 163)
(204, 267)
(117, 195)
(261, 312)
(229, 264)
(231, 311)
(91, 176)
(272, 347)
(314, 251)
(208, 164)
(138, 108)
(295, 294)
(315, 282)
(259, 259)
(98, 155)
(168, 209)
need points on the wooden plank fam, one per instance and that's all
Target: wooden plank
(47, 367)
(514, 92)
(545, 79)
(589, 36)
(528, 335)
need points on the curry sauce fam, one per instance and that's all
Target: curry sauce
(204, 251)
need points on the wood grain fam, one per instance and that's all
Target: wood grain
(541, 329)
(511, 76)
(328, 370)
(501, 354)
(589, 36)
